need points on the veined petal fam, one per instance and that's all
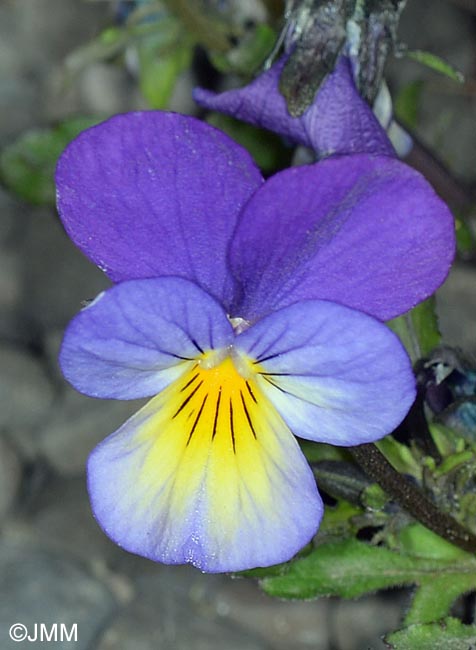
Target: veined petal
(155, 193)
(339, 121)
(334, 374)
(365, 231)
(207, 473)
(138, 336)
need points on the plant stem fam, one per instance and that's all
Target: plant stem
(411, 498)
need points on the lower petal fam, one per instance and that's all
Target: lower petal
(206, 473)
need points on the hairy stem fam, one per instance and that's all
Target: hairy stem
(411, 498)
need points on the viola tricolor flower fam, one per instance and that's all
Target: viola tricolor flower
(338, 121)
(239, 310)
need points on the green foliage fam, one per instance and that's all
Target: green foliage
(407, 103)
(436, 63)
(27, 165)
(400, 456)
(249, 54)
(208, 27)
(465, 237)
(351, 568)
(418, 329)
(449, 634)
(159, 70)
(316, 451)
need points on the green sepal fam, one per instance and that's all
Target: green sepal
(448, 634)
(27, 165)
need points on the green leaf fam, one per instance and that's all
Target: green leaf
(341, 480)
(446, 440)
(400, 456)
(352, 568)
(418, 541)
(449, 634)
(27, 165)
(465, 237)
(436, 63)
(249, 55)
(434, 599)
(418, 329)
(316, 451)
(207, 26)
(407, 103)
(159, 70)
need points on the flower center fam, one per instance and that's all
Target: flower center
(217, 398)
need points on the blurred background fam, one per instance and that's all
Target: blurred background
(55, 563)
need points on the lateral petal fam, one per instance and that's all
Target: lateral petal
(334, 374)
(138, 336)
(206, 473)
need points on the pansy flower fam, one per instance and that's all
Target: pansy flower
(338, 121)
(249, 312)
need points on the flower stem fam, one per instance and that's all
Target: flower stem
(411, 498)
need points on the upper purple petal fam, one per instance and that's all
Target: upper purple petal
(154, 193)
(365, 231)
(339, 121)
(138, 336)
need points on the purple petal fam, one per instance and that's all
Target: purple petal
(149, 194)
(334, 374)
(138, 336)
(338, 122)
(365, 231)
(178, 483)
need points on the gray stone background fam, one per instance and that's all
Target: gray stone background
(55, 564)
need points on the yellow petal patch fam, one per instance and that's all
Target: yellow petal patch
(207, 472)
(214, 430)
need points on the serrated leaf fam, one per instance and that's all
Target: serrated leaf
(436, 63)
(434, 599)
(449, 634)
(27, 165)
(418, 329)
(352, 568)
